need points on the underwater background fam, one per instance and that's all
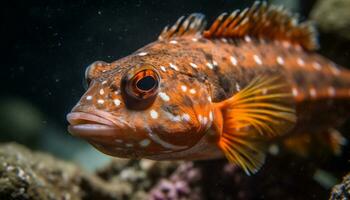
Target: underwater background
(46, 47)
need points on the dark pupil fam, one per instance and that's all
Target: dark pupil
(146, 83)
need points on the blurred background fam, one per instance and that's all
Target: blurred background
(46, 45)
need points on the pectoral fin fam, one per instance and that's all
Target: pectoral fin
(262, 110)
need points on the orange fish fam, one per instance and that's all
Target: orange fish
(231, 89)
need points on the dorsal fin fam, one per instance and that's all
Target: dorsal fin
(261, 21)
(264, 21)
(193, 24)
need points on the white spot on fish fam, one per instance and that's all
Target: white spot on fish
(154, 114)
(224, 40)
(210, 66)
(89, 98)
(286, 44)
(295, 92)
(117, 92)
(142, 53)
(238, 87)
(183, 88)
(209, 98)
(175, 118)
(193, 65)
(301, 62)
(204, 120)
(195, 39)
(313, 92)
(163, 68)
(129, 145)
(192, 91)
(233, 61)
(331, 91)
(200, 118)
(104, 82)
(118, 141)
(100, 101)
(211, 116)
(102, 92)
(173, 66)
(335, 70)
(144, 142)
(116, 102)
(247, 38)
(280, 60)
(257, 59)
(186, 117)
(173, 42)
(215, 63)
(164, 96)
(317, 66)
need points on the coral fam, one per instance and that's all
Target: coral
(25, 175)
(180, 185)
(342, 190)
(32, 175)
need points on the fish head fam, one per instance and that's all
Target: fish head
(134, 108)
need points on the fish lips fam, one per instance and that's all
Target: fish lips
(91, 126)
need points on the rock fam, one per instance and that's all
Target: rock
(32, 175)
(27, 175)
(342, 190)
(332, 16)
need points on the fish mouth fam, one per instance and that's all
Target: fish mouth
(91, 125)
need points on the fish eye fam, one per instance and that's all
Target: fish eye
(144, 83)
(140, 87)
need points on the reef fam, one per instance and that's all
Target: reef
(342, 190)
(27, 174)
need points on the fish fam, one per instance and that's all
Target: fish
(250, 79)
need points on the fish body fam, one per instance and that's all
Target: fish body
(228, 91)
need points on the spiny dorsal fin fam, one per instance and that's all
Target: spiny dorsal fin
(193, 24)
(264, 21)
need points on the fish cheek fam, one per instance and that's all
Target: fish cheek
(184, 128)
(174, 134)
